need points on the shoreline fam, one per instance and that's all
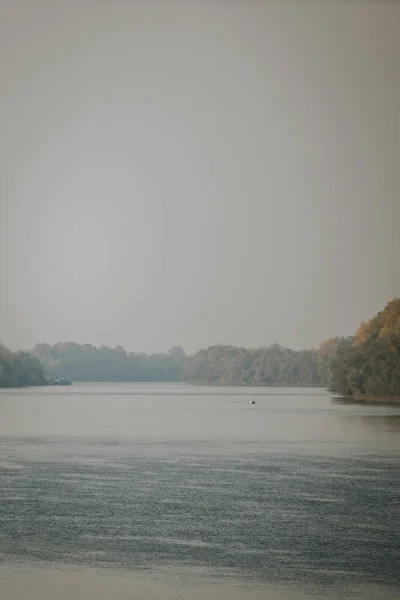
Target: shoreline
(193, 383)
(45, 581)
(368, 400)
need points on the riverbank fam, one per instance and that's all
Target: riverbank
(249, 385)
(369, 400)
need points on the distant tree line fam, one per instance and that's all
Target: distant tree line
(364, 366)
(259, 366)
(20, 369)
(90, 363)
(215, 365)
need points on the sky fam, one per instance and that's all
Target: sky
(196, 173)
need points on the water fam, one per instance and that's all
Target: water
(175, 491)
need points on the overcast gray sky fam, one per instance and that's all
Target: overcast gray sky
(197, 173)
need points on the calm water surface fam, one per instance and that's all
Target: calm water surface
(175, 491)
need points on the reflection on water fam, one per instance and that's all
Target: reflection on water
(385, 423)
(296, 493)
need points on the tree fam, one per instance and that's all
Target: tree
(20, 369)
(370, 367)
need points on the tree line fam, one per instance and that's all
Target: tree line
(366, 365)
(20, 369)
(226, 365)
(370, 366)
(90, 363)
(259, 366)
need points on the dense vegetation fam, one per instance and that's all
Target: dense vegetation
(265, 366)
(19, 369)
(88, 363)
(364, 366)
(370, 367)
(218, 364)
(260, 366)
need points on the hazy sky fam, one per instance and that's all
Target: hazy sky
(195, 173)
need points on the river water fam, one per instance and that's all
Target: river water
(177, 492)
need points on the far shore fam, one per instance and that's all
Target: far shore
(193, 383)
(368, 400)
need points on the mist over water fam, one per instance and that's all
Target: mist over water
(193, 174)
(184, 486)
